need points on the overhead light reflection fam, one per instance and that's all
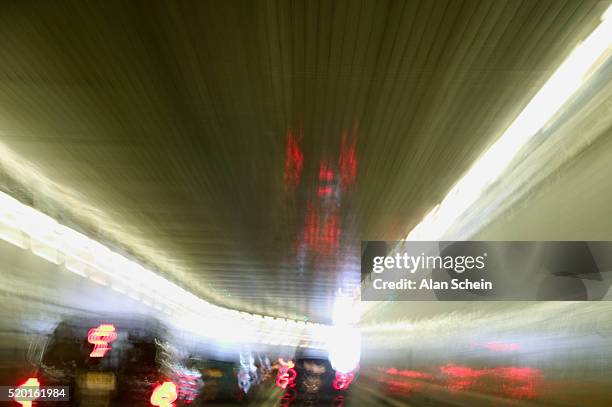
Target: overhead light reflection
(558, 90)
(28, 228)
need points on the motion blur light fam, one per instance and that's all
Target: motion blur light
(164, 395)
(286, 374)
(33, 384)
(29, 228)
(344, 311)
(559, 88)
(101, 337)
(344, 347)
(342, 381)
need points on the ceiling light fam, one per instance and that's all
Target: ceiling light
(560, 87)
(26, 227)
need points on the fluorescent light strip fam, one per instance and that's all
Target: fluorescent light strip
(90, 259)
(559, 88)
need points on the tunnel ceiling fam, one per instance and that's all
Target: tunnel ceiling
(244, 148)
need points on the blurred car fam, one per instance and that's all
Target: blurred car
(220, 380)
(313, 381)
(103, 361)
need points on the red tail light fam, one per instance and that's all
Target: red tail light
(101, 337)
(164, 395)
(286, 374)
(32, 382)
(342, 381)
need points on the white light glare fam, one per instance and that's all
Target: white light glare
(344, 347)
(26, 227)
(546, 103)
(345, 311)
